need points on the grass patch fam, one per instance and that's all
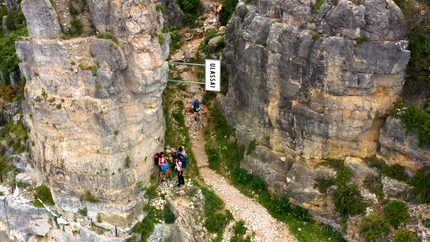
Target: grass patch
(108, 36)
(216, 217)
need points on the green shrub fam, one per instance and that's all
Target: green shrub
(89, 197)
(361, 39)
(83, 211)
(229, 7)
(258, 183)
(348, 200)
(44, 194)
(411, 118)
(107, 36)
(426, 222)
(239, 230)
(405, 236)
(241, 175)
(251, 147)
(420, 183)
(300, 213)
(6, 165)
(8, 59)
(396, 212)
(323, 184)
(281, 206)
(15, 20)
(216, 219)
(374, 228)
(144, 228)
(169, 217)
(395, 171)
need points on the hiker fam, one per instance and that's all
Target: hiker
(196, 105)
(181, 156)
(163, 167)
(180, 170)
(218, 12)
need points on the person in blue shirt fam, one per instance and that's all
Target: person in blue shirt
(197, 106)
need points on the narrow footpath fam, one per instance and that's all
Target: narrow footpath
(255, 216)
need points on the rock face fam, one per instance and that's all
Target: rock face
(93, 105)
(396, 147)
(310, 84)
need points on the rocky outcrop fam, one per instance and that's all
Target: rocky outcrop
(93, 105)
(397, 147)
(309, 84)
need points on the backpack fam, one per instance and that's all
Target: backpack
(156, 158)
(182, 159)
(174, 155)
(219, 9)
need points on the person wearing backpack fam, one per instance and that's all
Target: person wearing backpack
(182, 158)
(218, 12)
(180, 170)
(163, 166)
(196, 105)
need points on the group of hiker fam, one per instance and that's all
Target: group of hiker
(178, 156)
(180, 160)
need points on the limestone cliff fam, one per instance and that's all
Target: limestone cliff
(93, 105)
(311, 83)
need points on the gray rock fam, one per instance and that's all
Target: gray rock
(12, 4)
(40, 225)
(393, 187)
(42, 21)
(173, 14)
(215, 43)
(24, 178)
(397, 147)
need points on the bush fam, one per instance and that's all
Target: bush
(420, 183)
(251, 147)
(396, 212)
(374, 228)
(107, 36)
(144, 228)
(239, 230)
(169, 217)
(395, 171)
(83, 212)
(258, 183)
(404, 236)
(241, 176)
(44, 194)
(281, 206)
(348, 200)
(426, 222)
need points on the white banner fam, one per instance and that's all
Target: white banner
(212, 75)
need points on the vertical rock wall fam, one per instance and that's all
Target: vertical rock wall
(310, 84)
(93, 105)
